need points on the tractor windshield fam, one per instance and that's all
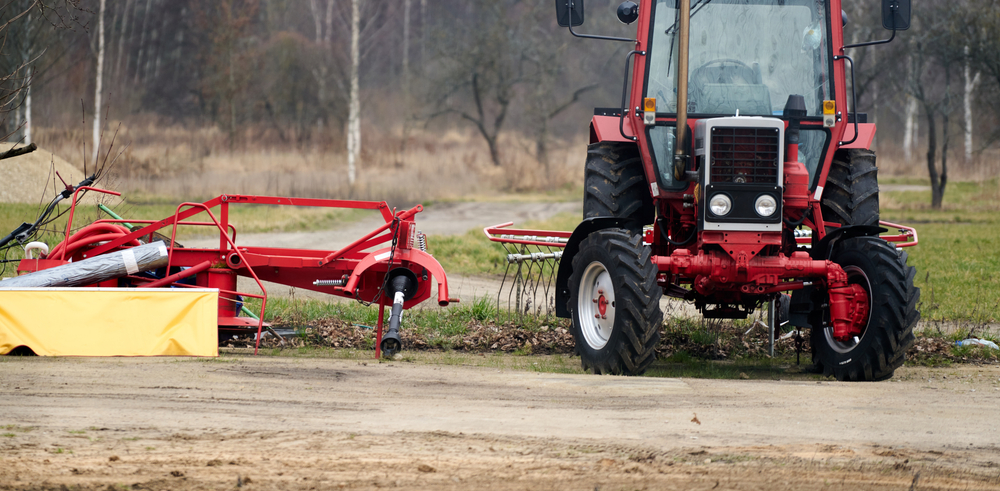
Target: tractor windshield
(745, 55)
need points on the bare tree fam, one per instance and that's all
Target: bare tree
(26, 30)
(99, 77)
(929, 83)
(970, 86)
(490, 56)
(976, 26)
(323, 19)
(229, 59)
(354, 112)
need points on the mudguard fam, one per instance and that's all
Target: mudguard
(585, 228)
(414, 259)
(823, 248)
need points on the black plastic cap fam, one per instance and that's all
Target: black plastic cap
(795, 107)
(628, 12)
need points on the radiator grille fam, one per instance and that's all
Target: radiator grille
(744, 155)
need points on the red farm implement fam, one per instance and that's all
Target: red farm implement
(388, 266)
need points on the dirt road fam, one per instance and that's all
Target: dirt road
(306, 423)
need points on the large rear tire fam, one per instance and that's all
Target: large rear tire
(615, 303)
(881, 347)
(850, 194)
(615, 183)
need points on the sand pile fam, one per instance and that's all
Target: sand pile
(28, 178)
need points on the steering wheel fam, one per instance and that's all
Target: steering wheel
(724, 71)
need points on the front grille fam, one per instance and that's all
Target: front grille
(744, 155)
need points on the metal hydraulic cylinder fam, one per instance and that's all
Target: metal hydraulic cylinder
(399, 287)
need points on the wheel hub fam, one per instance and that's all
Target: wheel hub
(853, 308)
(596, 307)
(602, 305)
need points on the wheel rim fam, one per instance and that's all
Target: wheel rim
(855, 275)
(596, 305)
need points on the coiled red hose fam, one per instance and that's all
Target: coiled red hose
(91, 234)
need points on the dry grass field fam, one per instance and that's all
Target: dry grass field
(175, 161)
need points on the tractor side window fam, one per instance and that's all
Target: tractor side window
(745, 55)
(663, 139)
(811, 146)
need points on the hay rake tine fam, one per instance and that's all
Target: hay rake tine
(532, 264)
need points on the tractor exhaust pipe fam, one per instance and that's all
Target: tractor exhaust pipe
(401, 287)
(680, 148)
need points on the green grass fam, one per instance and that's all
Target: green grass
(958, 257)
(437, 326)
(473, 253)
(292, 312)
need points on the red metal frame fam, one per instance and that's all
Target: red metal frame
(361, 270)
(741, 271)
(500, 233)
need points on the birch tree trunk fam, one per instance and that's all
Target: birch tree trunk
(121, 41)
(970, 87)
(423, 35)
(873, 117)
(354, 113)
(142, 42)
(910, 128)
(27, 111)
(98, 88)
(324, 39)
(317, 20)
(406, 51)
(406, 79)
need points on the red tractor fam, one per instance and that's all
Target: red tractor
(745, 180)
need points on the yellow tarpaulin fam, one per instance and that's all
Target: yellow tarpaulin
(110, 321)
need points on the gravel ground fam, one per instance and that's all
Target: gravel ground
(31, 177)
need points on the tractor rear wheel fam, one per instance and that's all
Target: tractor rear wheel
(850, 195)
(881, 347)
(615, 183)
(615, 303)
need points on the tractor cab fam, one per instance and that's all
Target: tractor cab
(745, 59)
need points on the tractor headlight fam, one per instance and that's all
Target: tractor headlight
(765, 205)
(720, 204)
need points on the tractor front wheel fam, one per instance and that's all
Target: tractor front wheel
(880, 348)
(615, 303)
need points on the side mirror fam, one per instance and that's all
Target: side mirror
(628, 12)
(570, 13)
(896, 14)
